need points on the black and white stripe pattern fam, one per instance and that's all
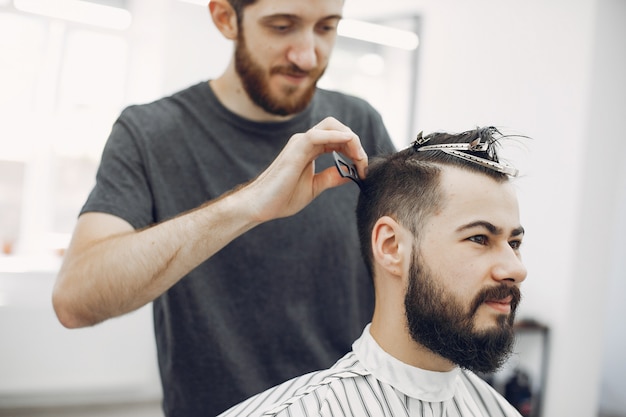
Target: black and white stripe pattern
(351, 389)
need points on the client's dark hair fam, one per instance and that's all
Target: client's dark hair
(405, 185)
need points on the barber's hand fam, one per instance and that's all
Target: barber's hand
(290, 182)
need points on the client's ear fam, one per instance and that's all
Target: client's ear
(391, 246)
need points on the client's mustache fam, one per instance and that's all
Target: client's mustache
(498, 292)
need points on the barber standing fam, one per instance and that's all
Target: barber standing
(209, 204)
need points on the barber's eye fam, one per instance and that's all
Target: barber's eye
(280, 28)
(280, 25)
(326, 28)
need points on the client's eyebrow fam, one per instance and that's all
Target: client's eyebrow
(494, 230)
(518, 231)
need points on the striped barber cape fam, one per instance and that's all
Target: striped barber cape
(371, 383)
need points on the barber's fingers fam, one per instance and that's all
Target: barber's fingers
(332, 135)
(326, 179)
(290, 182)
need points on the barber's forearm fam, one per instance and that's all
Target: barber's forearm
(122, 272)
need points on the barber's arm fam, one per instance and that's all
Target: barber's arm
(111, 269)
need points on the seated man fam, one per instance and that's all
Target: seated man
(440, 232)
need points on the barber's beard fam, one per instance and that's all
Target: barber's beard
(441, 323)
(255, 79)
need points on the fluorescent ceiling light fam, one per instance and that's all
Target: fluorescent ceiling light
(383, 35)
(78, 11)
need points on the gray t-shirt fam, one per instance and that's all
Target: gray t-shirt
(284, 299)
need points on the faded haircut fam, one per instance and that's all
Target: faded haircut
(405, 185)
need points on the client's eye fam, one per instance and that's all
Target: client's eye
(480, 239)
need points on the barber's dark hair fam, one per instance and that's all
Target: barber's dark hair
(405, 185)
(238, 6)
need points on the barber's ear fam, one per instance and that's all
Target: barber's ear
(390, 245)
(224, 17)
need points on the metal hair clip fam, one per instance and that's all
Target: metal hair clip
(496, 166)
(346, 169)
(456, 149)
(420, 140)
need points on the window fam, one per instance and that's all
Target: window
(63, 84)
(374, 61)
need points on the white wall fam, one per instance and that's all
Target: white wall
(42, 363)
(601, 252)
(175, 44)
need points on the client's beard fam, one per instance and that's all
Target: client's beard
(438, 321)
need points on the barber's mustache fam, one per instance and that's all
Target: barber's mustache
(292, 70)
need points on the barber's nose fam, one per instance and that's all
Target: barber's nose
(509, 267)
(303, 53)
